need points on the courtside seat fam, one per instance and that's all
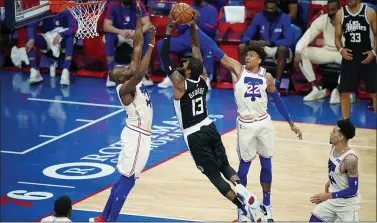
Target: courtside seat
(253, 7)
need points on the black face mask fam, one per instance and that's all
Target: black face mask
(197, 2)
(332, 16)
(271, 16)
(127, 2)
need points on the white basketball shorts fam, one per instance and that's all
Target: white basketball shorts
(332, 209)
(255, 136)
(136, 144)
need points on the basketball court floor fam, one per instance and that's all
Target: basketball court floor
(65, 141)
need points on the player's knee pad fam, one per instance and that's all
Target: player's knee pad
(266, 171)
(222, 186)
(314, 218)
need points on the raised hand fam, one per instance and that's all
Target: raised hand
(152, 38)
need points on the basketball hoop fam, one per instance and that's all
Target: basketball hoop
(86, 12)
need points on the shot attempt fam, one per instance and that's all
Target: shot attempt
(341, 198)
(199, 132)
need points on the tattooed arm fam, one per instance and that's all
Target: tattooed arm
(350, 167)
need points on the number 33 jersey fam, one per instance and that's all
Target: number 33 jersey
(250, 94)
(191, 109)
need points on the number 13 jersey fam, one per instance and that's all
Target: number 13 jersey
(191, 109)
(250, 94)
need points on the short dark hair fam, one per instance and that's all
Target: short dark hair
(347, 128)
(196, 67)
(270, 1)
(62, 206)
(259, 50)
(334, 1)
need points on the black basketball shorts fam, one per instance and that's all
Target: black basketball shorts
(207, 149)
(353, 70)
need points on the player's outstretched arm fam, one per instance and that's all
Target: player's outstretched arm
(233, 65)
(174, 75)
(130, 85)
(271, 89)
(195, 43)
(147, 57)
(138, 42)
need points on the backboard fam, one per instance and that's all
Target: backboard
(22, 12)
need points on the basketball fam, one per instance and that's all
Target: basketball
(182, 13)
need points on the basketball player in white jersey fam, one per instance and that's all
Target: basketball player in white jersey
(341, 198)
(136, 135)
(199, 132)
(254, 126)
(62, 209)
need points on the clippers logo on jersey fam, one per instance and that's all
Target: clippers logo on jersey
(353, 26)
(253, 88)
(332, 167)
(146, 94)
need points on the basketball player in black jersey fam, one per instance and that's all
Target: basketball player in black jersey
(357, 23)
(199, 132)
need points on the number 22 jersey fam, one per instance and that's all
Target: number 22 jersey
(250, 94)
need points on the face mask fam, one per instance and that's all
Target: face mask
(127, 2)
(271, 16)
(332, 16)
(197, 2)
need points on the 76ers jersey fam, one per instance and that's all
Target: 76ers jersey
(338, 179)
(139, 112)
(250, 94)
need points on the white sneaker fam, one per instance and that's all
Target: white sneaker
(110, 83)
(335, 97)
(315, 94)
(35, 76)
(241, 216)
(165, 83)
(147, 82)
(53, 69)
(267, 213)
(209, 84)
(64, 80)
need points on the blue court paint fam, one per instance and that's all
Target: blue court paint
(86, 158)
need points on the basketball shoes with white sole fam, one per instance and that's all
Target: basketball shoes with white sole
(110, 83)
(315, 94)
(267, 213)
(64, 80)
(165, 83)
(35, 76)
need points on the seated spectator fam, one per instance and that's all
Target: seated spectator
(276, 36)
(306, 55)
(62, 209)
(119, 27)
(57, 35)
(207, 22)
(289, 7)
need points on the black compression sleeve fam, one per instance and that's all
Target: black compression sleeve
(165, 55)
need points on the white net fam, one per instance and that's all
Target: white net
(87, 15)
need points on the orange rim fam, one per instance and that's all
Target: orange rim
(57, 6)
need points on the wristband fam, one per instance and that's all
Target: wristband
(341, 49)
(151, 45)
(374, 52)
